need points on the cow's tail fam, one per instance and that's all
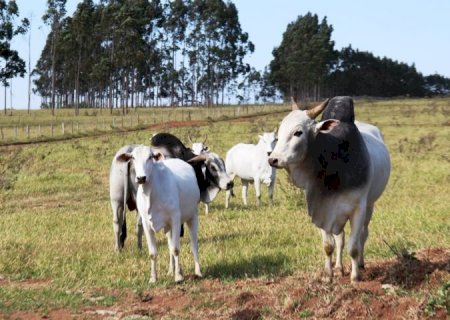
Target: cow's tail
(123, 233)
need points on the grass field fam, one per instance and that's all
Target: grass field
(39, 125)
(56, 239)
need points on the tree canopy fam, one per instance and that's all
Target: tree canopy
(138, 52)
(307, 66)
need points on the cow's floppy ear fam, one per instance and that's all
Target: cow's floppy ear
(325, 126)
(124, 157)
(158, 156)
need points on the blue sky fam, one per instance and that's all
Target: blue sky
(413, 31)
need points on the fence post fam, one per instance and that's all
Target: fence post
(52, 129)
(72, 126)
(78, 128)
(62, 128)
(39, 130)
(15, 134)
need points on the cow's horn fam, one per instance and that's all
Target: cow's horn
(200, 157)
(314, 112)
(206, 138)
(294, 105)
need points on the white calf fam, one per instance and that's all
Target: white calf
(167, 196)
(250, 163)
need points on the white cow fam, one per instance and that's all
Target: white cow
(342, 165)
(198, 147)
(167, 196)
(250, 163)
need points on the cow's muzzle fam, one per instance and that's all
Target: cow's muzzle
(230, 185)
(141, 180)
(274, 162)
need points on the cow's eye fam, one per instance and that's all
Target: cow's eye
(298, 133)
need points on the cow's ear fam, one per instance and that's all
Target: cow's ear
(326, 126)
(124, 157)
(158, 156)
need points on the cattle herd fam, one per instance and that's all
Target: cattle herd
(342, 164)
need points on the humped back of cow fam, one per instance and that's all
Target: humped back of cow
(340, 158)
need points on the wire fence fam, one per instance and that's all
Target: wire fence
(25, 128)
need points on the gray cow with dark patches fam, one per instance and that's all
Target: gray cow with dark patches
(343, 166)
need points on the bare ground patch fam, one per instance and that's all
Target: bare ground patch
(391, 289)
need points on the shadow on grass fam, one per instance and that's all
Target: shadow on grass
(256, 266)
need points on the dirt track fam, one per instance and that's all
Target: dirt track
(390, 289)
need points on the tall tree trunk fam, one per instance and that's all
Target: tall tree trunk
(77, 84)
(52, 101)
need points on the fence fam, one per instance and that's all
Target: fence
(45, 127)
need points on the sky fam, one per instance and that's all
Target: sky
(410, 31)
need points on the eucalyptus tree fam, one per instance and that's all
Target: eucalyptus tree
(11, 64)
(56, 10)
(216, 48)
(302, 60)
(175, 26)
(83, 33)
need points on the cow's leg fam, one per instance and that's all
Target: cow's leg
(244, 191)
(175, 248)
(258, 190)
(171, 270)
(117, 211)
(271, 187)
(365, 234)
(151, 243)
(339, 240)
(193, 228)
(229, 192)
(139, 231)
(207, 208)
(227, 198)
(328, 248)
(354, 243)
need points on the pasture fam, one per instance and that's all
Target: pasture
(57, 254)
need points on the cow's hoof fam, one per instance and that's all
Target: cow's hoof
(355, 278)
(339, 271)
(152, 280)
(179, 278)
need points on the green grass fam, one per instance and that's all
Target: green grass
(20, 127)
(56, 221)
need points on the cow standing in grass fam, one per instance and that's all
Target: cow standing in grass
(343, 168)
(167, 196)
(209, 167)
(250, 163)
(213, 169)
(122, 191)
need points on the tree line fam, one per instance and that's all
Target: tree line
(307, 65)
(128, 53)
(137, 52)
